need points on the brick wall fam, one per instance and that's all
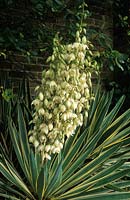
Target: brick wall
(17, 66)
(102, 17)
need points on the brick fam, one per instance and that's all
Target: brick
(39, 75)
(41, 60)
(33, 60)
(19, 58)
(5, 65)
(16, 74)
(33, 67)
(20, 74)
(16, 66)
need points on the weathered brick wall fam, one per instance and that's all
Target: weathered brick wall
(17, 66)
(102, 17)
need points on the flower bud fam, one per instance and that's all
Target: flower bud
(69, 115)
(57, 150)
(84, 30)
(79, 109)
(83, 100)
(37, 88)
(77, 95)
(52, 57)
(69, 47)
(31, 139)
(40, 148)
(84, 40)
(46, 103)
(64, 116)
(48, 59)
(41, 96)
(45, 130)
(36, 102)
(87, 92)
(47, 156)
(77, 34)
(41, 111)
(81, 56)
(50, 116)
(36, 143)
(74, 105)
(50, 126)
(56, 143)
(81, 119)
(71, 57)
(74, 115)
(61, 145)
(47, 148)
(86, 114)
(68, 134)
(76, 45)
(62, 108)
(42, 138)
(52, 84)
(82, 80)
(68, 104)
(55, 111)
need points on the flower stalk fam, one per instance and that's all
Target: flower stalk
(63, 96)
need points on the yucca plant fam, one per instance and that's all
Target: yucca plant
(8, 102)
(78, 148)
(93, 164)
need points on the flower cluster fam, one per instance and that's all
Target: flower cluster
(63, 97)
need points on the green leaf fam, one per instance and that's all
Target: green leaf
(41, 183)
(87, 170)
(83, 154)
(54, 181)
(16, 145)
(105, 196)
(11, 175)
(34, 170)
(111, 177)
(99, 113)
(5, 187)
(23, 135)
(73, 150)
(10, 197)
